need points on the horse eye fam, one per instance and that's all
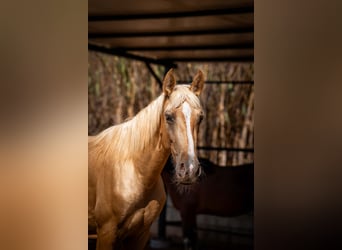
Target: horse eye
(169, 118)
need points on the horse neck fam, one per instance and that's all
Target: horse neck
(150, 161)
(150, 164)
(140, 141)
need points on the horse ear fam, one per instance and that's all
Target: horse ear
(198, 83)
(169, 83)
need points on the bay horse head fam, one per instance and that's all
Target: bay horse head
(181, 119)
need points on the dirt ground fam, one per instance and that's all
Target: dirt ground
(208, 240)
(177, 244)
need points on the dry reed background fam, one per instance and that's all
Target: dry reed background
(119, 88)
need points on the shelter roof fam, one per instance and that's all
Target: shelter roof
(171, 31)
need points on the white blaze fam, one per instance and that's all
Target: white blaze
(191, 151)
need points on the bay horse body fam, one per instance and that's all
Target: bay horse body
(125, 189)
(223, 191)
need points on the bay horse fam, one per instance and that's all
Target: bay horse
(125, 190)
(221, 191)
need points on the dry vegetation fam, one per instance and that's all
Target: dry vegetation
(118, 88)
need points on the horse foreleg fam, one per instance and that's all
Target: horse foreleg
(106, 235)
(189, 230)
(138, 242)
(143, 219)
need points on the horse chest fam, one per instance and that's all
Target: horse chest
(132, 192)
(141, 213)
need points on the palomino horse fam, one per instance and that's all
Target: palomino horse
(223, 191)
(126, 192)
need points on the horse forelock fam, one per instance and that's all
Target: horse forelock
(181, 94)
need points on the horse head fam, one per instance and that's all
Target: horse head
(181, 119)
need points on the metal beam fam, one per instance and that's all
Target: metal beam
(224, 231)
(117, 52)
(233, 30)
(162, 222)
(227, 149)
(213, 12)
(194, 47)
(220, 82)
(160, 82)
(241, 59)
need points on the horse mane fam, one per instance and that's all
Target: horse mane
(135, 134)
(131, 136)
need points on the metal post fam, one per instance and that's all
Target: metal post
(162, 224)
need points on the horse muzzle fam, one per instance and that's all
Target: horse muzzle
(187, 174)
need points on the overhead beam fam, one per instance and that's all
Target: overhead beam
(117, 52)
(194, 47)
(226, 149)
(241, 59)
(234, 30)
(180, 14)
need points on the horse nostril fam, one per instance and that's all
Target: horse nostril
(181, 172)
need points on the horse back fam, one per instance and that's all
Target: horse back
(227, 191)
